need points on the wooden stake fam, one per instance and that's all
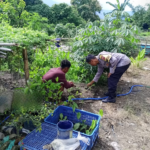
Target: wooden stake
(26, 68)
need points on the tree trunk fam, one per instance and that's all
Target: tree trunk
(26, 68)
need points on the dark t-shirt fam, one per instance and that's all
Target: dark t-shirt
(53, 73)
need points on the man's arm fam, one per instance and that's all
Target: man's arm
(97, 76)
(66, 84)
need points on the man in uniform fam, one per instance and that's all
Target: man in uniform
(117, 63)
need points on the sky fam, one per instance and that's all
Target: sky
(107, 6)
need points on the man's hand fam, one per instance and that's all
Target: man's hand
(109, 75)
(72, 83)
(89, 84)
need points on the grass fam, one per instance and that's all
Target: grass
(144, 34)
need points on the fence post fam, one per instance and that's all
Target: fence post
(0, 64)
(26, 67)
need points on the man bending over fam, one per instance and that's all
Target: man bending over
(60, 72)
(117, 63)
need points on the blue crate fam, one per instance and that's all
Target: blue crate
(147, 50)
(36, 140)
(67, 111)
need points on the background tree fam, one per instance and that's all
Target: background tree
(87, 8)
(11, 11)
(63, 13)
(33, 2)
(139, 16)
(17, 16)
(41, 9)
(147, 18)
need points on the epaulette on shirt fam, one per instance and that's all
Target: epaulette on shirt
(105, 57)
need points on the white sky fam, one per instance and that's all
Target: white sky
(108, 7)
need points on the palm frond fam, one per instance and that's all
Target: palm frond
(118, 4)
(131, 6)
(123, 5)
(113, 5)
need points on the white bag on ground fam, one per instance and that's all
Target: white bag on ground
(66, 144)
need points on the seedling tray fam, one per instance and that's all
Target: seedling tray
(72, 116)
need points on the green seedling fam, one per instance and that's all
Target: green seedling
(101, 112)
(78, 115)
(76, 126)
(61, 117)
(92, 127)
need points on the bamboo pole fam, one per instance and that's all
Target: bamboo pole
(5, 49)
(26, 68)
(0, 64)
(8, 44)
(2, 53)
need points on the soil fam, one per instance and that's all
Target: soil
(125, 124)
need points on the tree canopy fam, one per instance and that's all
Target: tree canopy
(141, 16)
(63, 13)
(87, 8)
(58, 13)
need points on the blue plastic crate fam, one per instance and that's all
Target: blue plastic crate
(36, 140)
(147, 50)
(67, 111)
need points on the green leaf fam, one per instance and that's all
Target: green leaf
(78, 115)
(83, 127)
(65, 103)
(61, 116)
(75, 104)
(73, 107)
(76, 126)
(65, 118)
(87, 132)
(57, 79)
(93, 125)
(101, 112)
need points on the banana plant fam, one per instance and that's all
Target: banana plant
(119, 6)
(139, 59)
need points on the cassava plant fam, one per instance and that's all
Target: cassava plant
(112, 35)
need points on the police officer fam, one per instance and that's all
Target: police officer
(117, 63)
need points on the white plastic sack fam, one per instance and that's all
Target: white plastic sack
(69, 144)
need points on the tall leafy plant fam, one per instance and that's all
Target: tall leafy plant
(139, 59)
